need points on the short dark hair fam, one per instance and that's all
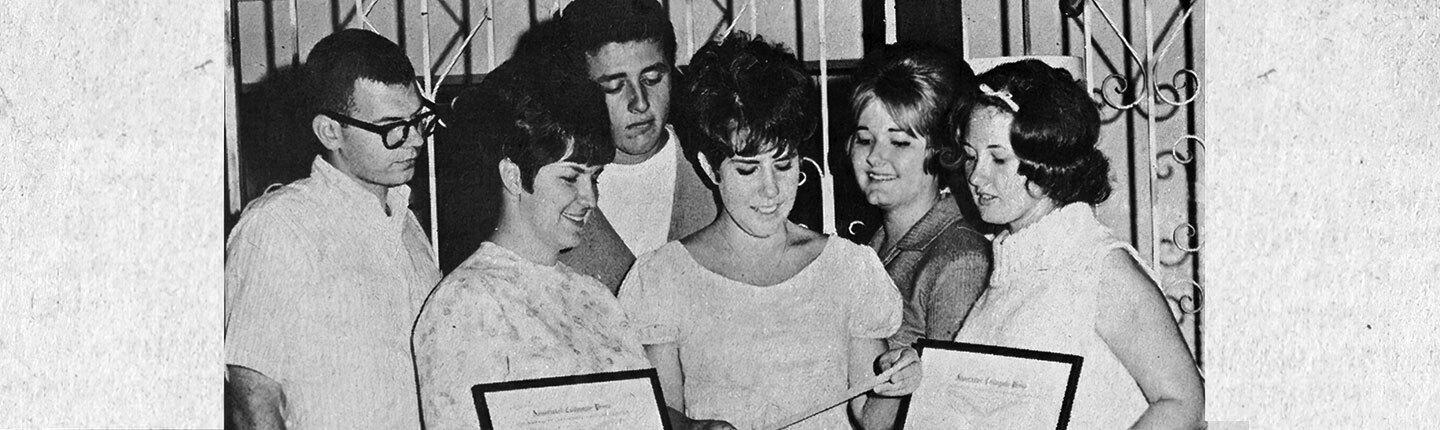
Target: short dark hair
(918, 85)
(534, 113)
(748, 97)
(592, 24)
(346, 56)
(1054, 132)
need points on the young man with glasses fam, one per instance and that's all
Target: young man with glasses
(324, 276)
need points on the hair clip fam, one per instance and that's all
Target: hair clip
(1002, 95)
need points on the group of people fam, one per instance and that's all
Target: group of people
(630, 238)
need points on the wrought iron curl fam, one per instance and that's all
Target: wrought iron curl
(1169, 170)
(1183, 79)
(1175, 259)
(1184, 157)
(1189, 302)
(1189, 75)
(1190, 233)
(1122, 84)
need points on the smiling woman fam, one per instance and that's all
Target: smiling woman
(769, 318)
(511, 311)
(904, 156)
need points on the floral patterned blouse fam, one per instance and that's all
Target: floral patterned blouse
(499, 317)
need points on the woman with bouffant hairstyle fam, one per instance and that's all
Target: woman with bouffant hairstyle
(753, 319)
(1062, 282)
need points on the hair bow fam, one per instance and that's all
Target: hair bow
(1002, 95)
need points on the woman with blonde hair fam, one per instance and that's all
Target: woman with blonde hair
(904, 157)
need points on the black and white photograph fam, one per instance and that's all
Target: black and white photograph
(740, 214)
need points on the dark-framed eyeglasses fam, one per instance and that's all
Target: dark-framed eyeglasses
(393, 135)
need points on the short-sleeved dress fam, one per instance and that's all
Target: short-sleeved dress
(754, 355)
(499, 317)
(1043, 295)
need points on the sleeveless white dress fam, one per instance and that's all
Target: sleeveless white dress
(1042, 296)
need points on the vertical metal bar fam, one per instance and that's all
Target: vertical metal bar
(1197, 193)
(827, 178)
(754, 20)
(890, 24)
(360, 15)
(270, 42)
(294, 33)
(1089, 39)
(489, 36)
(232, 128)
(1147, 70)
(432, 87)
(690, 27)
(1025, 27)
(964, 34)
(430, 84)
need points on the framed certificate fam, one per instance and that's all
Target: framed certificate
(971, 386)
(615, 400)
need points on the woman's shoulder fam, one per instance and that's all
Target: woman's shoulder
(805, 238)
(1120, 265)
(469, 282)
(961, 237)
(463, 296)
(666, 255)
(843, 257)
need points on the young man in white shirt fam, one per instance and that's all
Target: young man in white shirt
(324, 277)
(651, 193)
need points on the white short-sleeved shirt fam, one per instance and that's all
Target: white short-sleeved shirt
(321, 290)
(638, 198)
(754, 355)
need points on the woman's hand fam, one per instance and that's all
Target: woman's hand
(710, 425)
(905, 380)
(683, 422)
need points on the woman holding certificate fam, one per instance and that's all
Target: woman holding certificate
(511, 311)
(754, 319)
(904, 156)
(1062, 283)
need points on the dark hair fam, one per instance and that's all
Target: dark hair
(591, 24)
(534, 113)
(918, 85)
(748, 97)
(340, 59)
(1054, 132)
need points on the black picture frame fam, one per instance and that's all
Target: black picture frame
(482, 407)
(1074, 361)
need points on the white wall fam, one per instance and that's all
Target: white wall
(1324, 299)
(110, 245)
